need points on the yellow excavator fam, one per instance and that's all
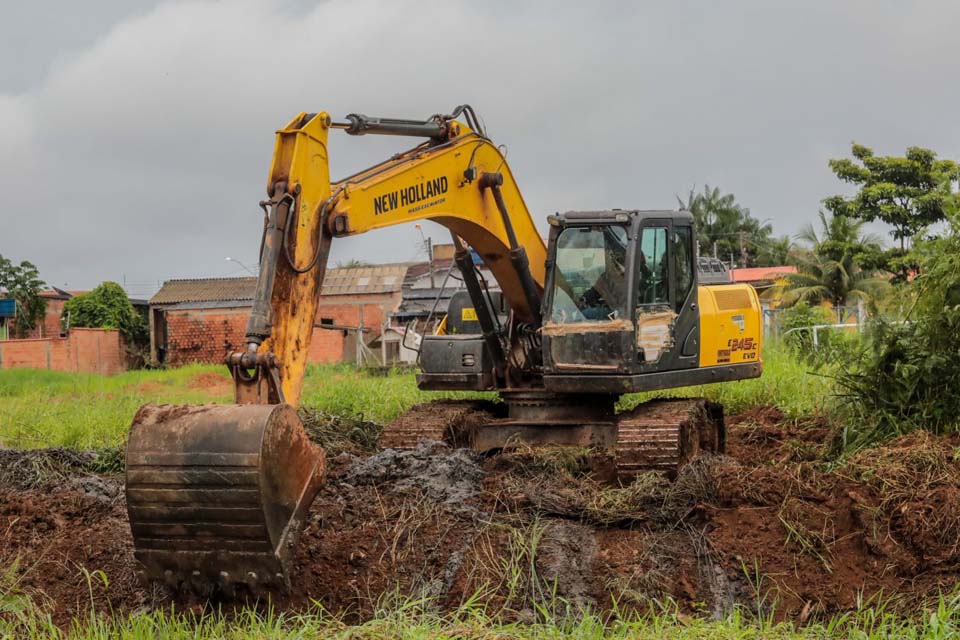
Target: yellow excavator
(611, 304)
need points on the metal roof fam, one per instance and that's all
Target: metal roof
(204, 290)
(384, 278)
(757, 274)
(381, 278)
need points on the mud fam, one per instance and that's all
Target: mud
(450, 477)
(767, 525)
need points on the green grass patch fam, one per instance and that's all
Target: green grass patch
(89, 411)
(417, 619)
(344, 391)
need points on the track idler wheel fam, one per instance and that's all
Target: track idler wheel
(217, 494)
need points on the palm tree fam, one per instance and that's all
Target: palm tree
(722, 222)
(840, 236)
(774, 252)
(830, 269)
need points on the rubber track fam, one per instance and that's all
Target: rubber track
(660, 435)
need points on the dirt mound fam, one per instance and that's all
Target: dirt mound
(817, 537)
(769, 523)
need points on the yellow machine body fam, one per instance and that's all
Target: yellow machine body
(731, 330)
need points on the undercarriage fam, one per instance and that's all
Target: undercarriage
(659, 435)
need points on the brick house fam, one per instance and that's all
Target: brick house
(54, 324)
(202, 320)
(51, 327)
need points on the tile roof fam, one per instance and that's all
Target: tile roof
(383, 278)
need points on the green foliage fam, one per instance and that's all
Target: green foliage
(774, 252)
(795, 320)
(910, 193)
(721, 220)
(833, 345)
(107, 307)
(833, 268)
(22, 283)
(909, 377)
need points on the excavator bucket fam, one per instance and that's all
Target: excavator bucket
(217, 494)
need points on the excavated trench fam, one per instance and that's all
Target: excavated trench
(768, 523)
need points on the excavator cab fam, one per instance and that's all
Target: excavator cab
(620, 295)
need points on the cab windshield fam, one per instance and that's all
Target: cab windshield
(590, 282)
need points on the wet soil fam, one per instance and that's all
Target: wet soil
(767, 524)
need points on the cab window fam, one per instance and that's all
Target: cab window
(590, 277)
(683, 263)
(653, 269)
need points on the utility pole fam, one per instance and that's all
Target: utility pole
(428, 243)
(433, 284)
(359, 354)
(743, 248)
(715, 250)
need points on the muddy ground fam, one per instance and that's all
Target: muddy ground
(770, 524)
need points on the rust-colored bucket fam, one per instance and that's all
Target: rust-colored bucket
(217, 494)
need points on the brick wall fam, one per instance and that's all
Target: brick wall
(87, 350)
(208, 335)
(51, 322)
(204, 335)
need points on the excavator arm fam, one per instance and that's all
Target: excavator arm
(217, 495)
(458, 179)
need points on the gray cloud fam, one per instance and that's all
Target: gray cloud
(139, 146)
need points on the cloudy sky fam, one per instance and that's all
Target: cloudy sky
(135, 136)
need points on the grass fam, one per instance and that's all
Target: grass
(88, 411)
(85, 411)
(417, 619)
(786, 382)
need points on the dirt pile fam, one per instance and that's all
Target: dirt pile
(770, 523)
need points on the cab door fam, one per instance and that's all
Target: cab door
(667, 317)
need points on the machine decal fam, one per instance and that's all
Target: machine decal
(409, 196)
(468, 313)
(741, 344)
(739, 321)
(723, 356)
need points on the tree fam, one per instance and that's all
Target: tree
(840, 236)
(725, 226)
(774, 252)
(107, 307)
(22, 283)
(909, 193)
(832, 269)
(908, 377)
